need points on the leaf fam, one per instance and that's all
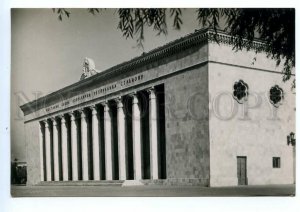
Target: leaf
(177, 22)
(93, 11)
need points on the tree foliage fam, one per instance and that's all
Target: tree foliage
(276, 27)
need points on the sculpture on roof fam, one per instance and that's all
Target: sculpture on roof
(88, 68)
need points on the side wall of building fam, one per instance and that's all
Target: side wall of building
(260, 132)
(187, 129)
(32, 152)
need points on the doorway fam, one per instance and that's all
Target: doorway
(242, 170)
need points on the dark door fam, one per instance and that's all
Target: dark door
(242, 170)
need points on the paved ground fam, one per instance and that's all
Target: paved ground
(152, 191)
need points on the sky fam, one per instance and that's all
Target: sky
(47, 54)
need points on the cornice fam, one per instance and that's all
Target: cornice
(193, 39)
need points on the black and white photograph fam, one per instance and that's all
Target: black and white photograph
(152, 102)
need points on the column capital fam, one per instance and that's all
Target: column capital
(105, 105)
(93, 109)
(43, 121)
(62, 118)
(72, 115)
(46, 123)
(133, 94)
(54, 121)
(82, 112)
(134, 98)
(152, 93)
(119, 101)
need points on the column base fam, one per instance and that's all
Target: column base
(132, 183)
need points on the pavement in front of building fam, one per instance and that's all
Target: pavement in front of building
(152, 191)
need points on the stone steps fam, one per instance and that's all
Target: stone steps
(83, 183)
(125, 183)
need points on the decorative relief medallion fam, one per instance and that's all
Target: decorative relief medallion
(276, 95)
(240, 91)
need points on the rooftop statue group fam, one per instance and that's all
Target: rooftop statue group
(88, 68)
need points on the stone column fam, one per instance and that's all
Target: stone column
(84, 146)
(48, 151)
(41, 140)
(64, 143)
(74, 144)
(154, 146)
(55, 150)
(137, 144)
(96, 143)
(121, 140)
(108, 142)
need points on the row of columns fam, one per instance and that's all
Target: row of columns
(45, 142)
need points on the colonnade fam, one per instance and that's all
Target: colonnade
(70, 143)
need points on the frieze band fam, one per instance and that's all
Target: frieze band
(95, 93)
